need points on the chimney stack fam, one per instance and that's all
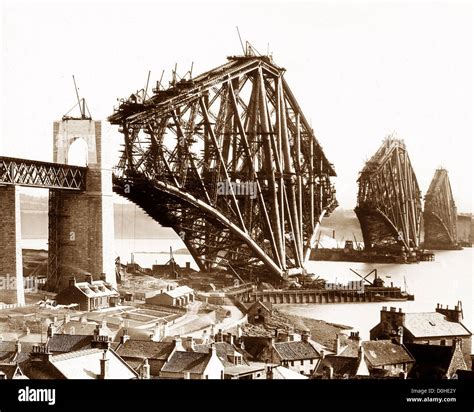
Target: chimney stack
(72, 281)
(305, 336)
(145, 370)
(178, 345)
(124, 336)
(88, 278)
(18, 346)
(50, 332)
(104, 366)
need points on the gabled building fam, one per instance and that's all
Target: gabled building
(180, 297)
(89, 295)
(259, 312)
(146, 357)
(193, 365)
(359, 359)
(442, 327)
(299, 356)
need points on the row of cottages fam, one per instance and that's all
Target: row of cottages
(181, 297)
(353, 358)
(89, 295)
(443, 327)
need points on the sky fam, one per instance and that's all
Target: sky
(360, 71)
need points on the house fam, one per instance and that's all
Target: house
(259, 312)
(193, 365)
(178, 297)
(299, 356)
(11, 371)
(357, 359)
(14, 352)
(89, 295)
(435, 361)
(441, 327)
(139, 353)
(92, 363)
(386, 358)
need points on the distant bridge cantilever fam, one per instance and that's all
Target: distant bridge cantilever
(32, 173)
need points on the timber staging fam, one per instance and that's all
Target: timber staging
(371, 294)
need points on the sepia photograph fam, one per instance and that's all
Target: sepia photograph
(271, 191)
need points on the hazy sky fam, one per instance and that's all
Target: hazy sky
(359, 71)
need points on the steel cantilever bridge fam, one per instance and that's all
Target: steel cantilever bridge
(440, 214)
(389, 199)
(228, 160)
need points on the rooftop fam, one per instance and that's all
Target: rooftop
(97, 288)
(193, 362)
(433, 324)
(385, 352)
(85, 364)
(296, 350)
(179, 291)
(134, 348)
(67, 343)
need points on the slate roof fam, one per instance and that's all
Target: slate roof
(341, 365)
(296, 350)
(142, 349)
(66, 343)
(433, 324)
(8, 352)
(193, 362)
(385, 352)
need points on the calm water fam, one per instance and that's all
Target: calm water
(446, 280)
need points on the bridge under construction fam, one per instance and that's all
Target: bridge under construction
(193, 150)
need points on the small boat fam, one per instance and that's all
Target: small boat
(401, 298)
(380, 298)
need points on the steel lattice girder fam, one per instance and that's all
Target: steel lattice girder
(229, 161)
(440, 214)
(33, 173)
(389, 199)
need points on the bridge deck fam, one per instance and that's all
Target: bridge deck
(33, 173)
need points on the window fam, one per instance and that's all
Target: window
(311, 361)
(292, 363)
(302, 362)
(443, 342)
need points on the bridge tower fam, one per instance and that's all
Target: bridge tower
(81, 226)
(11, 261)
